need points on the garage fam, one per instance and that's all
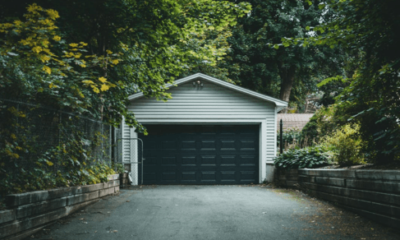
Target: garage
(200, 154)
(209, 132)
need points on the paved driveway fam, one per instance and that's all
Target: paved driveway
(213, 212)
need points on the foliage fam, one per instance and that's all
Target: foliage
(135, 46)
(369, 26)
(309, 157)
(289, 136)
(324, 122)
(346, 145)
(253, 63)
(43, 148)
(118, 167)
(88, 62)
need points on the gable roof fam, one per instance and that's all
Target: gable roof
(277, 102)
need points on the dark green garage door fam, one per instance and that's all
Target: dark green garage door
(201, 154)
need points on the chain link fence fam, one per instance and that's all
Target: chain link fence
(43, 147)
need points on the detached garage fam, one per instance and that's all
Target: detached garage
(210, 132)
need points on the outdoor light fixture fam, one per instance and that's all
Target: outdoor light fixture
(197, 84)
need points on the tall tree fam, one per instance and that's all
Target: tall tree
(259, 61)
(151, 38)
(372, 97)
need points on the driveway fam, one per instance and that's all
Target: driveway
(213, 212)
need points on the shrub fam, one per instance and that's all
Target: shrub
(346, 145)
(118, 167)
(309, 157)
(289, 136)
(324, 122)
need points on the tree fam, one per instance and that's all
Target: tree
(259, 61)
(372, 98)
(151, 40)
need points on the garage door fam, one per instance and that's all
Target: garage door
(209, 154)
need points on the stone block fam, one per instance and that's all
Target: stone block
(338, 173)
(281, 177)
(391, 175)
(331, 181)
(379, 186)
(369, 174)
(310, 172)
(7, 215)
(105, 192)
(40, 207)
(19, 226)
(26, 198)
(39, 196)
(71, 200)
(292, 184)
(92, 188)
(116, 189)
(61, 192)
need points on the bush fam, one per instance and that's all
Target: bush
(289, 136)
(309, 157)
(118, 167)
(346, 145)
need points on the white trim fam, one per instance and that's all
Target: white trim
(263, 154)
(277, 102)
(134, 157)
(262, 135)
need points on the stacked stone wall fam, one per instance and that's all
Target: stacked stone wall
(28, 212)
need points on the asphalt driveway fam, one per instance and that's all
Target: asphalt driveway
(213, 212)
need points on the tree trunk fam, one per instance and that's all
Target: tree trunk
(287, 80)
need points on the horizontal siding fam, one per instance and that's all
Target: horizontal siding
(126, 133)
(271, 139)
(210, 102)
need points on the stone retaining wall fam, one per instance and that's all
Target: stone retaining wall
(287, 178)
(29, 212)
(374, 194)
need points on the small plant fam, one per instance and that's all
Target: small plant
(309, 157)
(118, 167)
(346, 145)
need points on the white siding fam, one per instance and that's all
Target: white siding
(209, 102)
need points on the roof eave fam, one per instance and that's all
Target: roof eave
(278, 102)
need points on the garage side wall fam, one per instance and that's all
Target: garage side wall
(211, 103)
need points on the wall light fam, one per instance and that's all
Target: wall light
(198, 84)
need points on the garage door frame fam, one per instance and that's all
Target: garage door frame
(262, 135)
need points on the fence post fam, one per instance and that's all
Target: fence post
(281, 137)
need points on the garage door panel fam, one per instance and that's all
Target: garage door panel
(169, 176)
(230, 159)
(188, 145)
(228, 175)
(210, 144)
(169, 161)
(208, 176)
(209, 154)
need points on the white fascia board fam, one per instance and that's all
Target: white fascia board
(278, 108)
(278, 102)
